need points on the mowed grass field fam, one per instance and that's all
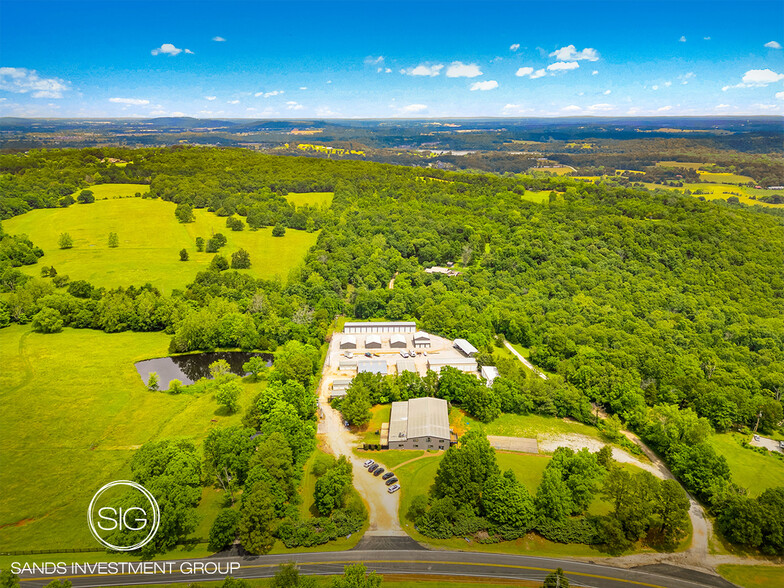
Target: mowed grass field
(310, 198)
(538, 196)
(723, 178)
(536, 426)
(106, 191)
(753, 576)
(74, 410)
(752, 470)
(150, 241)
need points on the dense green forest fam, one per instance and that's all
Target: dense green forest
(663, 309)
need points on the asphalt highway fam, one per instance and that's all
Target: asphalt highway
(443, 563)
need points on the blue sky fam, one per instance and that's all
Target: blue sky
(377, 59)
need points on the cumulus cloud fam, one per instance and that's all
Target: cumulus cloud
(233, 102)
(326, 111)
(570, 53)
(757, 78)
(303, 87)
(169, 49)
(210, 98)
(682, 39)
(780, 95)
(539, 73)
(384, 70)
(524, 71)
(595, 72)
(411, 108)
(686, 77)
(773, 45)
(514, 47)
(483, 86)
(722, 106)
(667, 84)
(664, 108)
(269, 94)
(423, 70)
(655, 87)
(458, 69)
(133, 101)
(706, 38)
(607, 92)
(219, 39)
(766, 106)
(563, 66)
(370, 60)
(292, 105)
(22, 81)
(571, 108)
(600, 107)
(515, 109)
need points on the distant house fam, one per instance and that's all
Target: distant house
(348, 342)
(373, 342)
(465, 347)
(489, 373)
(381, 327)
(421, 339)
(464, 364)
(397, 340)
(373, 366)
(419, 423)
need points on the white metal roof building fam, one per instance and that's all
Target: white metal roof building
(349, 365)
(373, 342)
(465, 347)
(397, 340)
(489, 373)
(374, 366)
(385, 327)
(406, 365)
(464, 364)
(421, 339)
(348, 342)
(420, 423)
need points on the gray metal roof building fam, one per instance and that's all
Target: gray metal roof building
(374, 366)
(465, 347)
(420, 423)
(465, 364)
(406, 365)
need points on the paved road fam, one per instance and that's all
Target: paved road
(420, 562)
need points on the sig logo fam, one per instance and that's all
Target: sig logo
(125, 512)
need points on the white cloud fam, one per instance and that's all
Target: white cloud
(757, 78)
(177, 113)
(210, 98)
(664, 108)
(571, 108)
(706, 38)
(682, 39)
(233, 102)
(219, 39)
(303, 87)
(515, 109)
(370, 60)
(483, 86)
(766, 106)
(667, 84)
(539, 73)
(189, 52)
(269, 94)
(514, 46)
(563, 66)
(607, 92)
(423, 70)
(291, 105)
(773, 45)
(325, 111)
(169, 49)
(722, 106)
(411, 108)
(458, 69)
(655, 87)
(780, 95)
(157, 113)
(133, 101)
(328, 82)
(600, 107)
(570, 53)
(21, 81)
(524, 71)
(595, 72)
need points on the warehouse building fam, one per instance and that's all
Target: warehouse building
(397, 341)
(374, 366)
(465, 348)
(489, 373)
(464, 364)
(348, 342)
(419, 423)
(421, 339)
(406, 365)
(347, 365)
(373, 342)
(339, 388)
(387, 327)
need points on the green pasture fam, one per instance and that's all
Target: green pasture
(683, 164)
(752, 470)
(559, 170)
(753, 576)
(538, 196)
(150, 241)
(105, 191)
(74, 411)
(723, 178)
(536, 426)
(310, 198)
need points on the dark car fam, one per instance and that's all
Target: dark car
(387, 476)
(368, 354)
(378, 472)
(391, 481)
(373, 467)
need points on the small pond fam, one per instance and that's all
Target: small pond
(193, 366)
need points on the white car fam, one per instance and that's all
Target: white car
(412, 353)
(424, 353)
(368, 463)
(348, 354)
(404, 355)
(393, 488)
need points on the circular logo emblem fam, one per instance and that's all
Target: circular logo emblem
(136, 519)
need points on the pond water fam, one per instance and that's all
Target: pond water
(193, 366)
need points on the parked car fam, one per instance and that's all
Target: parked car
(378, 472)
(756, 437)
(391, 481)
(373, 467)
(424, 353)
(348, 354)
(388, 475)
(393, 489)
(376, 355)
(368, 463)
(404, 354)
(368, 354)
(412, 353)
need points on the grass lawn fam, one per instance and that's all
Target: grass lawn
(538, 196)
(371, 432)
(74, 410)
(150, 241)
(749, 469)
(753, 576)
(104, 191)
(311, 198)
(536, 426)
